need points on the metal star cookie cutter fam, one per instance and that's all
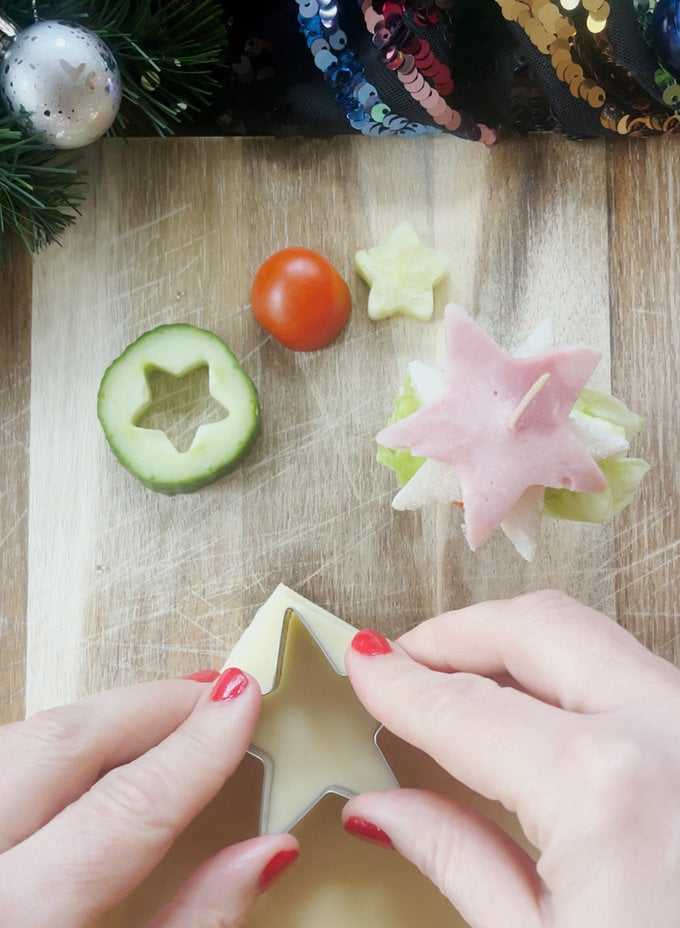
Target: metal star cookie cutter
(310, 636)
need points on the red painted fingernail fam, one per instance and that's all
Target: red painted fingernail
(275, 868)
(230, 684)
(370, 643)
(203, 676)
(360, 828)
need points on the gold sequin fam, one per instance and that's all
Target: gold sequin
(601, 14)
(598, 12)
(561, 45)
(594, 26)
(573, 72)
(552, 34)
(550, 16)
(596, 95)
(575, 87)
(566, 30)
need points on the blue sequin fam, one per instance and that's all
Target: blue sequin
(356, 114)
(395, 122)
(665, 34)
(358, 99)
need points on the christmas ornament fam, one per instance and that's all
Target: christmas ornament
(665, 34)
(59, 80)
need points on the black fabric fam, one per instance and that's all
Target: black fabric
(271, 86)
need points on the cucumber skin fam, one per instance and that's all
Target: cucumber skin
(183, 486)
(190, 486)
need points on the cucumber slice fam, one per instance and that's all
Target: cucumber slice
(217, 448)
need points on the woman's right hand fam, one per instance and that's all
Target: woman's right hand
(558, 713)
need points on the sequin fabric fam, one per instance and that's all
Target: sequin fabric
(479, 69)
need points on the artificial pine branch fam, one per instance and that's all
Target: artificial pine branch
(166, 51)
(39, 194)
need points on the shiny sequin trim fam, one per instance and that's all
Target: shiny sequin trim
(584, 60)
(319, 23)
(415, 65)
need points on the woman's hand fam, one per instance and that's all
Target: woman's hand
(92, 796)
(562, 716)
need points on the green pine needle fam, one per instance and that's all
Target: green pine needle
(167, 52)
(39, 194)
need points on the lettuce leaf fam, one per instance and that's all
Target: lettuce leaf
(622, 475)
(609, 409)
(403, 463)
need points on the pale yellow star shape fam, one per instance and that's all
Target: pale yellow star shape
(402, 274)
(313, 736)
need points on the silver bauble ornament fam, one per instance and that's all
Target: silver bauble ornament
(61, 81)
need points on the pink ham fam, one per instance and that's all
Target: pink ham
(470, 426)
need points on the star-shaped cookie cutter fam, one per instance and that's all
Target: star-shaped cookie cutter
(286, 631)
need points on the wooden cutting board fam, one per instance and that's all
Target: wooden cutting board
(124, 584)
(105, 582)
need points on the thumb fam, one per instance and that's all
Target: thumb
(489, 878)
(220, 893)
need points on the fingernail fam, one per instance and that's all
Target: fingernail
(360, 828)
(370, 643)
(275, 868)
(229, 684)
(203, 676)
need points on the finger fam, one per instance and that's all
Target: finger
(497, 740)
(556, 648)
(490, 879)
(102, 846)
(52, 758)
(221, 892)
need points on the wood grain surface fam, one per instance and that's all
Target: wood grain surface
(103, 582)
(119, 584)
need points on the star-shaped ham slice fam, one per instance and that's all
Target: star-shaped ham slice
(502, 423)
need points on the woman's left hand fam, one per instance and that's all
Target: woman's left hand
(93, 795)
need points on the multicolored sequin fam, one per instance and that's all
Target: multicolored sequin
(359, 99)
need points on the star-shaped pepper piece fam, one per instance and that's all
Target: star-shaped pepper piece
(402, 274)
(313, 735)
(502, 423)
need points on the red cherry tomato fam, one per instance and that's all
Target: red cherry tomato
(300, 299)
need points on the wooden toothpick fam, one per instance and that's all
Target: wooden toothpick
(527, 400)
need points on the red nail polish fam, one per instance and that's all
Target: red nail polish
(360, 828)
(371, 643)
(203, 676)
(275, 868)
(230, 684)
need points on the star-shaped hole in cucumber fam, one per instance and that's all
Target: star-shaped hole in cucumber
(180, 405)
(178, 387)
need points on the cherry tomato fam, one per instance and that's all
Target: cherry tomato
(300, 299)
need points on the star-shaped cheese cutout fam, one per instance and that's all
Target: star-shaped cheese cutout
(502, 423)
(402, 274)
(313, 736)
